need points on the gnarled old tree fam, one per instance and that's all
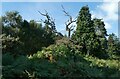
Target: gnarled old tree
(50, 26)
(68, 24)
(49, 21)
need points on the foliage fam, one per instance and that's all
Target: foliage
(12, 19)
(32, 36)
(7, 57)
(10, 44)
(32, 51)
(61, 65)
(85, 33)
(110, 63)
(113, 45)
(101, 33)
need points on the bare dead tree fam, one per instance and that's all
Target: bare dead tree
(68, 25)
(49, 20)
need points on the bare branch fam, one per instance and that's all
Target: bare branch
(69, 22)
(42, 13)
(72, 27)
(66, 13)
(49, 20)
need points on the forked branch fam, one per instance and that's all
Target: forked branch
(68, 25)
(49, 20)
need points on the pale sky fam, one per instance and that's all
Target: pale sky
(108, 11)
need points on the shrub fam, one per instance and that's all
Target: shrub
(7, 59)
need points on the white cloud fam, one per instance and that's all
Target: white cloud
(108, 11)
(110, 0)
(107, 25)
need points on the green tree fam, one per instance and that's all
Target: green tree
(113, 44)
(85, 33)
(11, 44)
(101, 33)
(99, 27)
(49, 36)
(12, 22)
(12, 19)
(31, 35)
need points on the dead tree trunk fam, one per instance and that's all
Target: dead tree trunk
(69, 27)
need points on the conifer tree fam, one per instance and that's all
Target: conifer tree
(85, 32)
(101, 33)
(113, 45)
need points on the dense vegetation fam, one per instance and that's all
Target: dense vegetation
(31, 50)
